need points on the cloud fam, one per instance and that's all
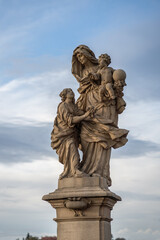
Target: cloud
(22, 187)
(23, 184)
(24, 143)
(30, 32)
(33, 99)
(26, 66)
(29, 176)
(123, 231)
(136, 174)
(140, 196)
(24, 19)
(157, 232)
(28, 36)
(36, 47)
(142, 119)
(147, 233)
(136, 147)
(134, 47)
(136, 180)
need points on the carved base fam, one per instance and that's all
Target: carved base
(83, 207)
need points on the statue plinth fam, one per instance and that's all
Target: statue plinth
(83, 207)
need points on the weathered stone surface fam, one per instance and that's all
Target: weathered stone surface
(92, 122)
(83, 207)
(83, 201)
(81, 187)
(92, 223)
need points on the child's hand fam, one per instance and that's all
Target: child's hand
(92, 76)
(91, 111)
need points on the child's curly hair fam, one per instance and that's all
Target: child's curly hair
(106, 57)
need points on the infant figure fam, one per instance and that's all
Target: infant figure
(106, 77)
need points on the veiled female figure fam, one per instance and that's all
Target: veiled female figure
(100, 133)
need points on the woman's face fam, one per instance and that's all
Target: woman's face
(81, 58)
(70, 94)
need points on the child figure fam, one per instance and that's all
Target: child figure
(106, 76)
(64, 137)
(112, 82)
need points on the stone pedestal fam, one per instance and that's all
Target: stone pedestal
(83, 207)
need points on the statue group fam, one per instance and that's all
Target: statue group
(91, 123)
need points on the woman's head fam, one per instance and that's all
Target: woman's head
(86, 52)
(81, 55)
(82, 58)
(67, 93)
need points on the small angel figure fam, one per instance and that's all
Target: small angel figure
(64, 137)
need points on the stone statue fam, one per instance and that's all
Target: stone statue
(83, 201)
(91, 123)
(65, 137)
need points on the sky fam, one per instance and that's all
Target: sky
(36, 45)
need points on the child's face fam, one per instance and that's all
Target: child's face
(103, 61)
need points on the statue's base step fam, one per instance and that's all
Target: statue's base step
(82, 187)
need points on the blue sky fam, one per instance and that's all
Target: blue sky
(36, 45)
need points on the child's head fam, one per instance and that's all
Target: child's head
(67, 92)
(104, 59)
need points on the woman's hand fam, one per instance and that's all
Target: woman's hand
(77, 119)
(90, 112)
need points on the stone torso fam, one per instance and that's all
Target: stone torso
(106, 75)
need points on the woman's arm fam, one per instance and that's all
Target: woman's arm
(77, 119)
(79, 79)
(90, 113)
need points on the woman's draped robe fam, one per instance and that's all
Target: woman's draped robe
(98, 135)
(64, 138)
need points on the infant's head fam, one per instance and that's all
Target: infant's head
(104, 59)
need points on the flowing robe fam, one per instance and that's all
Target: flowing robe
(64, 138)
(99, 134)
